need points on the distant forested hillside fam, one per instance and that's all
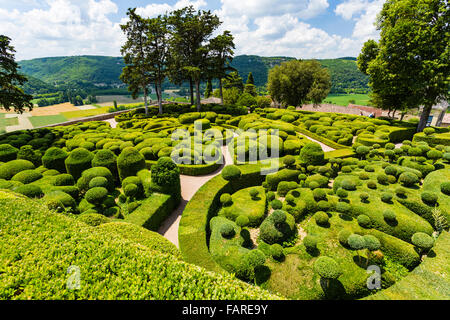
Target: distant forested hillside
(102, 73)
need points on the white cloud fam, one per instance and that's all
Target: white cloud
(154, 9)
(349, 8)
(66, 27)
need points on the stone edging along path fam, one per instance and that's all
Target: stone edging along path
(190, 185)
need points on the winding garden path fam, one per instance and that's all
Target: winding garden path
(325, 148)
(189, 186)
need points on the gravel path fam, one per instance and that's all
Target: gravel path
(325, 148)
(189, 186)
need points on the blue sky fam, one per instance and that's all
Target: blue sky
(297, 28)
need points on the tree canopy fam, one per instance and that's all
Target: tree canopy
(296, 82)
(11, 95)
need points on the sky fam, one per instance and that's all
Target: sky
(295, 28)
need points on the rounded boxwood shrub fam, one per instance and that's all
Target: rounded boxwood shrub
(226, 199)
(278, 227)
(27, 153)
(343, 207)
(364, 176)
(323, 205)
(364, 221)
(98, 182)
(356, 242)
(276, 204)
(78, 160)
(389, 216)
(30, 190)
(346, 169)
(429, 131)
(408, 179)
(270, 196)
(106, 158)
(343, 236)
(130, 162)
(276, 251)
(387, 197)
(54, 158)
(319, 194)
(341, 193)
(231, 173)
(348, 184)
(422, 241)
(242, 221)
(227, 230)
(131, 190)
(310, 243)
(290, 199)
(321, 218)
(166, 178)
(27, 176)
(254, 193)
(364, 196)
(289, 161)
(371, 184)
(327, 268)
(312, 154)
(64, 179)
(11, 168)
(7, 152)
(383, 179)
(89, 174)
(400, 192)
(60, 201)
(369, 168)
(371, 242)
(96, 195)
(445, 188)
(429, 198)
(93, 219)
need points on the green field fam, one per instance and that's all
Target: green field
(40, 121)
(346, 99)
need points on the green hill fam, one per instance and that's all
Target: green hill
(90, 71)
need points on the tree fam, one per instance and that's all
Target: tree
(412, 65)
(191, 32)
(250, 79)
(11, 95)
(222, 55)
(137, 56)
(233, 80)
(208, 91)
(297, 82)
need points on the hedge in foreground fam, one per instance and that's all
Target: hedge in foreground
(110, 267)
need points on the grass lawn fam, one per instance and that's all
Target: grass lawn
(84, 113)
(39, 121)
(344, 99)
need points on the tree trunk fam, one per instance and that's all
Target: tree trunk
(393, 114)
(191, 88)
(424, 118)
(159, 91)
(145, 100)
(441, 116)
(198, 98)
(221, 91)
(402, 116)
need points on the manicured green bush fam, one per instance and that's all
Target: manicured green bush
(276, 251)
(387, 197)
(364, 221)
(312, 154)
(408, 179)
(364, 176)
(356, 242)
(54, 158)
(289, 161)
(130, 162)
(319, 194)
(98, 182)
(327, 268)
(226, 199)
(93, 219)
(371, 184)
(27, 176)
(131, 190)
(89, 174)
(96, 195)
(310, 243)
(343, 236)
(429, 198)
(341, 193)
(30, 190)
(60, 201)
(348, 184)
(400, 192)
(106, 158)
(78, 161)
(166, 178)
(254, 193)
(364, 196)
(27, 153)
(343, 207)
(321, 218)
(227, 230)
(389, 216)
(383, 179)
(13, 167)
(64, 180)
(250, 265)
(270, 196)
(242, 221)
(276, 204)
(422, 241)
(8, 152)
(277, 227)
(231, 173)
(445, 188)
